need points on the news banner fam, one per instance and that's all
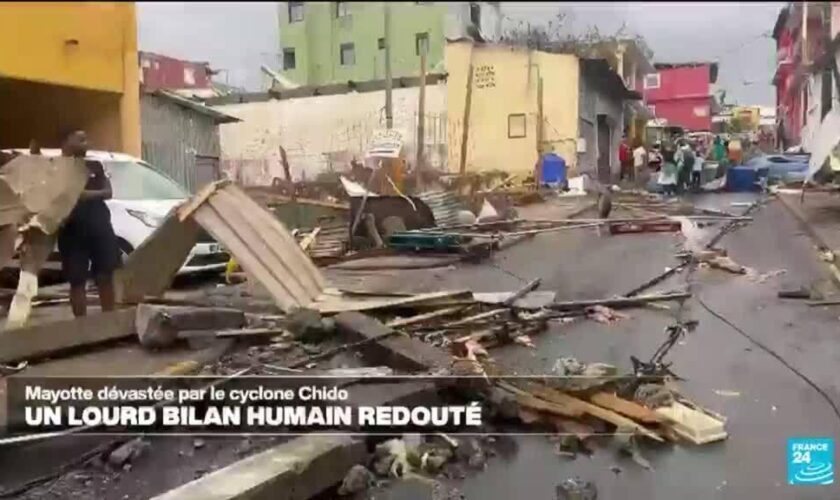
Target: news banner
(242, 405)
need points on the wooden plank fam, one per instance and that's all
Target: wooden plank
(276, 231)
(191, 205)
(278, 270)
(279, 242)
(336, 306)
(528, 400)
(693, 425)
(385, 346)
(207, 216)
(152, 266)
(604, 414)
(51, 338)
(423, 317)
(627, 408)
(309, 238)
(477, 317)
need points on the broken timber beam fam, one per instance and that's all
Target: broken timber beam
(384, 346)
(423, 317)
(301, 468)
(51, 338)
(625, 407)
(619, 301)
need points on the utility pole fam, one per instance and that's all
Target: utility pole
(389, 112)
(421, 120)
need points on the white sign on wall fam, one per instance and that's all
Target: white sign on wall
(386, 143)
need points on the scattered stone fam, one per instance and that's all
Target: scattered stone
(455, 471)
(127, 452)
(568, 366)
(382, 465)
(307, 325)
(615, 469)
(126, 467)
(310, 349)
(358, 479)
(394, 451)
(198, 443)
(576, 489)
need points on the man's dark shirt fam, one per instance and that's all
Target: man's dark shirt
(87, 214)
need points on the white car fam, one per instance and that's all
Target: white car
(142, 196)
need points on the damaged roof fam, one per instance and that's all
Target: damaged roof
(198, 107)
(600, 70)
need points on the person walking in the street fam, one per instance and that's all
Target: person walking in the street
(668, 174)
(685, 163)
(624, 158)
(639, 159)
(718, 150)
(86, 241)
(655, 158)
(696, 172)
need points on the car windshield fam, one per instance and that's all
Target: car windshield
(137, 181)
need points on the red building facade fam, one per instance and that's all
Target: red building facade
(162, 72)
(682, 94)
(795, 51)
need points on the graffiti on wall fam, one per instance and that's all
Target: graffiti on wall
(485, 76)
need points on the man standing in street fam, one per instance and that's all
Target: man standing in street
(624, 158)
(86, 241)
(639, 159)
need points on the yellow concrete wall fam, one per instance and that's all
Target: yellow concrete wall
(84, 49)
(505, 83)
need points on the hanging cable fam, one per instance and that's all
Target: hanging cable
(775, 355)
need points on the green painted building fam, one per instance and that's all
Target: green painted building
(331, 42)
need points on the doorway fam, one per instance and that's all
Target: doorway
(604, 150)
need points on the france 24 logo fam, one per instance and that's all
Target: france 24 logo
(810, 461)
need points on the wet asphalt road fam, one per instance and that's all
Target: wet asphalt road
(773, 403)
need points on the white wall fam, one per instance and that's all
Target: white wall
(321, 132)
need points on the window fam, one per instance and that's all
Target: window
(652, 108)
(652, 81)
(295, 12)
(289, 61)
(475, 14)
(189, 76)
(347, 54)
(516, 126)
(421, 43)
(703, 111)
(138, 181)
(380, 43)
(341, 9)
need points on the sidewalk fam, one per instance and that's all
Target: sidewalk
(819, 215)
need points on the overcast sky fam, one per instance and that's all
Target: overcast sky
(238, 37)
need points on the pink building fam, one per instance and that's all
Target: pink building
(681, 93)
(162, 72)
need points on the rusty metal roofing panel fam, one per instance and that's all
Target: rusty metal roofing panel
(444, 205)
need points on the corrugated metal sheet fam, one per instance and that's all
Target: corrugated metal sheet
(444, 205)
(173, 135)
